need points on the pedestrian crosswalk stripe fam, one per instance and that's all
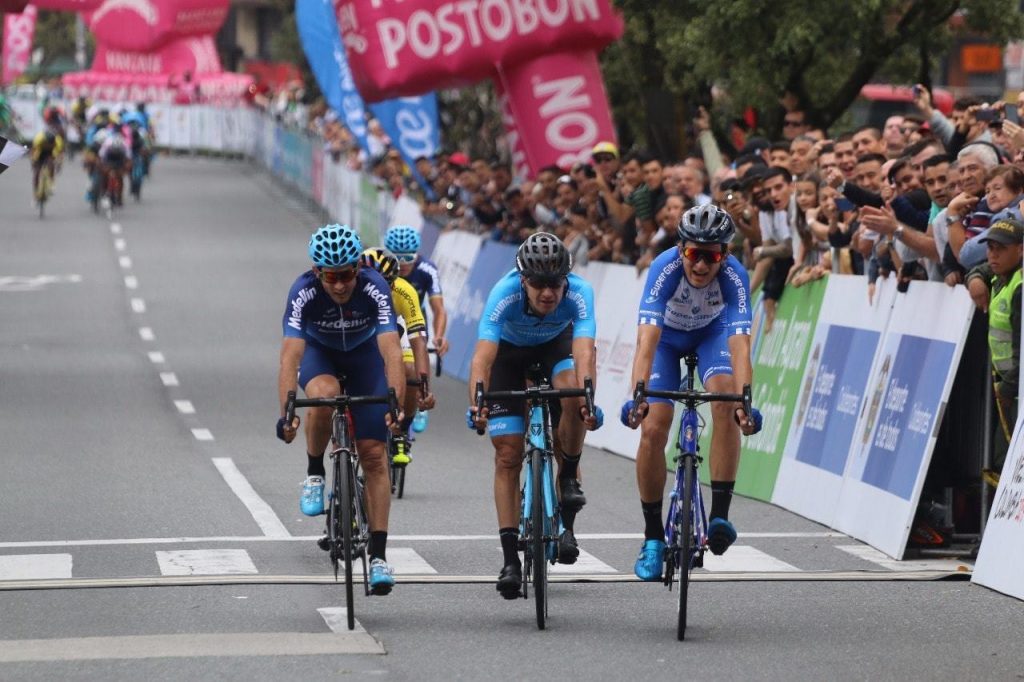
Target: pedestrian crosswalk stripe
(336, 618)
(745, 559)
(586, 563)
(876, 557)
(205, 562)
(407, 561)
(35, 566)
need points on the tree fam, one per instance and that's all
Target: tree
(756, 53)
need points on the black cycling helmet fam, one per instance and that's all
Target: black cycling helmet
(706, 224)
(543, 255)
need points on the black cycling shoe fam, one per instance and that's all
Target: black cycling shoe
(572, 494)
(568, 548)
(324, 543)
(510, 581)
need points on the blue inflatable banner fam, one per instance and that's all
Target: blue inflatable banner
(321, 41)
(412, 125)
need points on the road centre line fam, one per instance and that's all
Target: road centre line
(115, 228)
(138, 305)
(202, 434)
(261, 511)
(185, 406)
(119, 244)
(125, 262)
(146, 334)
(156, 357)
(131, 281)
(312, 538)
(169, 378)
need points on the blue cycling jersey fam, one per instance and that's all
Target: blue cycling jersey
(425, 279)
(507, 317)
(669, 300)
(311, 314)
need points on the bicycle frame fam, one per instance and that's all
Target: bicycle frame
(538, 437)
(686, 444)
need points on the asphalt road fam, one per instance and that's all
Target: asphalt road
(149, 522)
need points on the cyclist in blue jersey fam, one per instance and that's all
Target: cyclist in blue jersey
(696, 300)
(404, 241)
(537, 313)
(339, 320)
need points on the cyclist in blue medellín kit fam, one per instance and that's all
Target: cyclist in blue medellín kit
(696, 300)
(404, 241)
(339, 320)
(537, 313)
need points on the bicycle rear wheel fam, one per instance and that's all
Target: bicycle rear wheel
(684, 540)
(347, 494)
(539, 560)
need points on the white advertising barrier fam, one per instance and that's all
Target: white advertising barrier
(832, 398)
(1001, 557)
(617, 293)
(909, 388)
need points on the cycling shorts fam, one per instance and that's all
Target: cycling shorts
(363, 372)
(507, 417)
(713, 357)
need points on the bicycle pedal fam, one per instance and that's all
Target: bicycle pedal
(324, 543)
(698, 560)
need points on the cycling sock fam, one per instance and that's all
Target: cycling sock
(407, 422)
(570, 466)
(653, 530)
(721, 496)
(510, 545)
(569, 518)
(315, 467)
(378, 544)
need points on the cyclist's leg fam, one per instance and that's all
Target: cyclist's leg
(716, 375)
(317, 378)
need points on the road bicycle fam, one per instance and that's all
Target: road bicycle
(44, 186)
(401, 443)
(686, 524)
(348, 527)
(540, 516)
(138, 172)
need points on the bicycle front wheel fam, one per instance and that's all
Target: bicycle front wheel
(347, 495)
(684, 540)
(539, 559)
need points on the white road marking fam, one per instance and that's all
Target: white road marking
(138, 305)
(743, 559)
(35, 567)
(336, 618)
(119, 244)
(407, 561)
(156, 357)
(202, 434)
(885, 561)
(204, 644)
(115, 228)
(205, 562)
(131, 281)
(10, 283)
(146, 334)
(125, 262)
(586, 563)
(169, 378)
(260, 510)
(185, 406)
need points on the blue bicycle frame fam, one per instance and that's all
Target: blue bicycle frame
(689, 432)
(539, 438)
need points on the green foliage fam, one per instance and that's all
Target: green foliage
(754, 52)
(55, 35)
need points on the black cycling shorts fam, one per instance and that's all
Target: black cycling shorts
(507, 417)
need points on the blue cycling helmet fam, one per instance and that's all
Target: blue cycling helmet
(402, 239)
(335, 246)
(706, 224)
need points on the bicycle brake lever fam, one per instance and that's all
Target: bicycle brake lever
(289, 408)
(588, 396)
(479, 400)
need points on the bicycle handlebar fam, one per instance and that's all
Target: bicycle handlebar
(342, 401)
(641, 392)
(535, 393)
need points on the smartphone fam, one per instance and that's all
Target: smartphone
(1011, 114)
(986, 114)
(917, 91)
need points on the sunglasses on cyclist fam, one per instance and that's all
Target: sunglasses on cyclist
(336, 276)
(693, 254)
(405, 257)
(550, 282)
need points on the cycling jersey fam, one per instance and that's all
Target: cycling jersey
(43, 150)
(311, 314)
(425, 279)
(407, 306)
(507, 316)
(669, 300)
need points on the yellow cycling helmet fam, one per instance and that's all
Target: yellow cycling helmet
(381, 260)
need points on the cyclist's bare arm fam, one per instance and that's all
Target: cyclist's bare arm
(440, 323)
(585, 359)
(742, 374)
(480, 370)
(287, 378)
(647, 337)
(421, 360)
(390, 347)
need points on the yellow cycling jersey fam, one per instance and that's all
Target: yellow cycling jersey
(407, 305)
(41, 149)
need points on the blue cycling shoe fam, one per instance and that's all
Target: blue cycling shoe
(381, 578)
(721, 535)
(312, 501)
(419, 422)
(649, 561)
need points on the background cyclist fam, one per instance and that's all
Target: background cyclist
(404, 241)
(339, 320)
(538, 312)
(413, 331)
(696, 300)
